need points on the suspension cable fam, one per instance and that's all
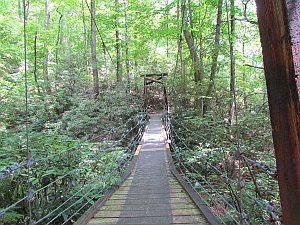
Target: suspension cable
(29, 192)
(242, 213)
(9, 169)
(122, 160)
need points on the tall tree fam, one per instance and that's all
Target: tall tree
(215, 54)
(198, 71)
(294, 19)
(93, 49)
(127, 45)
(20, 11)
(179, 57)
(46, 52)
(118, 42)
(85, 37)
(167, 24)
(58, 43)
(231, 34)
(283, 102)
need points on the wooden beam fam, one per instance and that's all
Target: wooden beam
(155, 75)
(84, 219)
(283, 102)
(211, 219)
(150, 81)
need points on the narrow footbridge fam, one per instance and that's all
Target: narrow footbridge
(151, 194)
(134, 180)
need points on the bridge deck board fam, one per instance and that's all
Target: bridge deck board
(151, 195)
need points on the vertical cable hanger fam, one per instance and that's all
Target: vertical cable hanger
(238, 152)
(28, 152)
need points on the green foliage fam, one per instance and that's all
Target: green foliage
(207, 150)
(10, 218)
(60, 159)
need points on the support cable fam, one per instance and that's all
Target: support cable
(29, 191)
(262, 166)
(243, 217)
(121, 164)
(15, 166)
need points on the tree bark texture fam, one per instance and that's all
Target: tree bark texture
(215, 54)
(293, 7)
(283, 102)
(198, 74)
(93, 49)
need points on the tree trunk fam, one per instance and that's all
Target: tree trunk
(214, 58)
(57, 47)
(35, 63)
(198, 75)
(179, 46)
(118, 44)
(127, 46)
(283, 102)
(231, 38)
(46, 52)
(20, 11)
(167, 25)
(85, 38)
(294, 19)
(231, 33)
(93, 49)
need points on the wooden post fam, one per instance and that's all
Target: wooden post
(283, 102)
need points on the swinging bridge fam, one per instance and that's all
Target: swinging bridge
(151, 181)
(156, 183)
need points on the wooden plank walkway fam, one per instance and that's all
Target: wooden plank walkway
(151, 194)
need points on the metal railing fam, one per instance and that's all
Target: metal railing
(61, 197)
(221, 191)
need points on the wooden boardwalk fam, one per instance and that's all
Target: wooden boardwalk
(151, 194)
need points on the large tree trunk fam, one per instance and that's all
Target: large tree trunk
(46, 52)
(118, 43)
(93, 49)
(214, 57)
(294, 19)
(198, 72)
(283, 102)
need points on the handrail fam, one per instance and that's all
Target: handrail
(104, 178)
(222, 199)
